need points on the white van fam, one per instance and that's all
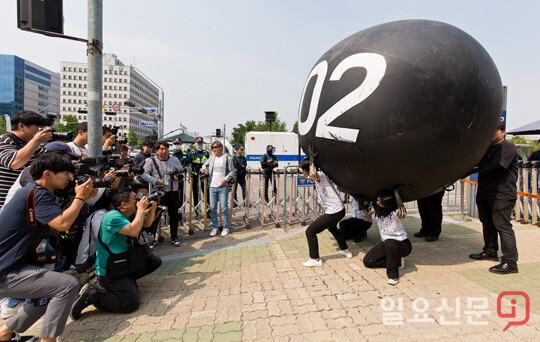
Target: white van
(285, 144)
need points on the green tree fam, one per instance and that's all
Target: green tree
(239, 132)
(139, 143)
(69, 125)
(153, 136)
(295, 128)
(2, 125)
(132, 137)
(518, 140)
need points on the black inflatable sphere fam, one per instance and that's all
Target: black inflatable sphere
(411, 103)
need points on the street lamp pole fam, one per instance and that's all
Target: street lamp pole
(95, 70)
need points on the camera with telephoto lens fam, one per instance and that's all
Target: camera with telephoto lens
(48, 121)
(104, 182)
(179, 174)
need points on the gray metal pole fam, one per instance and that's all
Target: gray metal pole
(95, 70)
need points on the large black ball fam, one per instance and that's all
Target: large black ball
(411, 103)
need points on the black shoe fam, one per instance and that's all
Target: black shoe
(17, 337)
(504, 268)
(484, 256)
(175, 242)
(431, 238)
(420, 234)
(82, 302)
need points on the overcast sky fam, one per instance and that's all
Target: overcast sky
(226, 62)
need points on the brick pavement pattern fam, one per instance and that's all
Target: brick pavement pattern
(251, 286)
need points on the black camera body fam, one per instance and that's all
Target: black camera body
(156, 197)
(91, 165)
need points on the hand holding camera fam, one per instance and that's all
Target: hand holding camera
(43, 135)
(86, 190)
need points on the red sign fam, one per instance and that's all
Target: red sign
(116, 107)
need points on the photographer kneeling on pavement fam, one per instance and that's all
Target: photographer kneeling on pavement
(119, 229)
(19, 235)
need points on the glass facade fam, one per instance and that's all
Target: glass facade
(11, 84)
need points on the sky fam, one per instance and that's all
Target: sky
(226, 62)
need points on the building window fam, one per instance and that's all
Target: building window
(69, 69)
(64, 68)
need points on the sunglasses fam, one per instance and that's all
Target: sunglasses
(215, 147)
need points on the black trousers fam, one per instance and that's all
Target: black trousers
(121, 295)
(240, 182)
(198, 183)
(325, 221)
(495, 217)
(172, 201)
(430, 209)
(388, 254)
(354, 228)
(269, 177)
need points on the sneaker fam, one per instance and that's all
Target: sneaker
(18, 338)
(8, 311)
(225, 232)
(393, 281)
(402, 263)
(175, 242)
(347, 254)
(152, 246)
(312, 263)
(82, 302)
(213, 232)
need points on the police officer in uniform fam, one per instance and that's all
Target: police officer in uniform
(196, 159)
(182, 155)
(269, 162)
(240, 164)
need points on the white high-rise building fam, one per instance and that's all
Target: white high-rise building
(120, 84)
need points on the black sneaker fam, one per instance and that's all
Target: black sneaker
(420, 234)
(18, 338)
(152, 246)
(82, 302)
(175, 242)
(431, 238)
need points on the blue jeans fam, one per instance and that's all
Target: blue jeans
(221, 193)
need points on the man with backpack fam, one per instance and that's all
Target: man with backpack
(220, 171)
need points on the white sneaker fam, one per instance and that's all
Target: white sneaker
(225, 232)
(312, 263)
(347, 254)
(402, 263)
(213, 232)
(8, 312)
(393, 281)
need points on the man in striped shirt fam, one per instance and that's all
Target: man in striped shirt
(19, 147)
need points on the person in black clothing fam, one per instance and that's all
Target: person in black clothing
(495, 198)
(430, 209)
(269, 162)
(196, 159)
(145, 153)
(534, 155)
(240, 164)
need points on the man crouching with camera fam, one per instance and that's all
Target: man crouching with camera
(24, 223)
(117, 254)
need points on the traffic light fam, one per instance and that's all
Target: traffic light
(44, 15)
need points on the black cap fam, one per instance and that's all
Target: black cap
(199, 139)
(238, 146)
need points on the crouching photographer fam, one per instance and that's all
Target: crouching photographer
(25, 222)
(120, 259)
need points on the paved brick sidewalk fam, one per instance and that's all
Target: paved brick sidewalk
(208, 289)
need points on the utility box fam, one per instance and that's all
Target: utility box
(285, 144)
(44, 15)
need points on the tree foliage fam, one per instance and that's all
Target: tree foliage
(239, 132)
(132, 137)
(70, 121)
(295, 128)
(2, 125)
(139, 143)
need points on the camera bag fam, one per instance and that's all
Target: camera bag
(128, 263)
(44, 256)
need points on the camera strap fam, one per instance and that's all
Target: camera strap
(31, 218)
(157, 167)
